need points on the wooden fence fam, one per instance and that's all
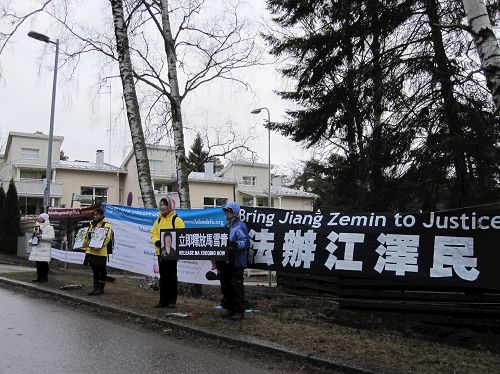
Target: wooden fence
(368, 294)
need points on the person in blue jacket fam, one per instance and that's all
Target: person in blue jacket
(231, 271)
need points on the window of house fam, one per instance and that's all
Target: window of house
(249, 180)
(156, 165)
(30, 205)
(29, 153)
(247, 201)
(98, 195)
(212, 202)
(163, 188)
(24, 174)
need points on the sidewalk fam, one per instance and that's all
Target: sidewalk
(5, 269)
(311, 330)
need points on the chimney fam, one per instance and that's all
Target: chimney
(99, 158)
(209, 169)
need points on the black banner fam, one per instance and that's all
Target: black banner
(435, 249)
(67, 222)
(195, 244)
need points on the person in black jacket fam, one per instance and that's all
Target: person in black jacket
(97, 257)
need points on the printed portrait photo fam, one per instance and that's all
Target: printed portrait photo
(168, 244)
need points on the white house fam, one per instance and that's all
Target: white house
(76, 183)
(72, 182)
(253, 187)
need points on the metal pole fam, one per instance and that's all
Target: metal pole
(48, 174)
(109, 150)
(269, 197)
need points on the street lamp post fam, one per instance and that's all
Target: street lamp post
(48, 173)
(257, 111)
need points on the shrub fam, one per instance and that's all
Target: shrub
(10, 220)
(2, 204)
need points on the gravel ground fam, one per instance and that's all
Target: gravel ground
(313, 325)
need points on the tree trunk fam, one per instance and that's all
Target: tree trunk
(451, 118)
(132, 105)
(178, 129)
(486, 45)
(373, 154)
(175, 104)
(353, 137)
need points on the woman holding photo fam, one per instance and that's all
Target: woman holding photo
(167, 261)
(96, 257)
(41, 246)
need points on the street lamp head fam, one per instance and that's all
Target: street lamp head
(38, 36)
(256, 111)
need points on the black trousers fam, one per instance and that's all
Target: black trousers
(100, 273)
(42, 270)
(231, 284)
(168, 281)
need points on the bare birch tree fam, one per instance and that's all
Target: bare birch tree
(212, 46)
(175, 104)
(486, 45)
(220, 48)
(132, 105)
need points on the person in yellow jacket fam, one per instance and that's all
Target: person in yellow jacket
(97, 257)
(167, 220)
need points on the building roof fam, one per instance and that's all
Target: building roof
(277, 191)
(195, 176)
(87, 165)
(26, 135)
(231, 164)
(148, 146)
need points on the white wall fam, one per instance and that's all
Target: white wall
(200, 190)
(73, 180)
(239, 171)
(19, 142)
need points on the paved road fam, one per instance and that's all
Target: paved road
(37, 336)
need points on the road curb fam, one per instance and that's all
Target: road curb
(260, 345)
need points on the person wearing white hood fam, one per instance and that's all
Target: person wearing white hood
(41, 245)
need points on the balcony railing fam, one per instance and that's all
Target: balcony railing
(89, 199)
(162, 174)
(35, 187)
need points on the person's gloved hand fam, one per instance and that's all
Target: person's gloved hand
(158, 243)
(232, 244)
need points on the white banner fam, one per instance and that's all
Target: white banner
(134, 251)
(68, 256)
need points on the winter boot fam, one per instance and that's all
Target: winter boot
(100, 289)
(237, 316)
(96, 288)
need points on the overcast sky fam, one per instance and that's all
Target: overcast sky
(83, 115)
